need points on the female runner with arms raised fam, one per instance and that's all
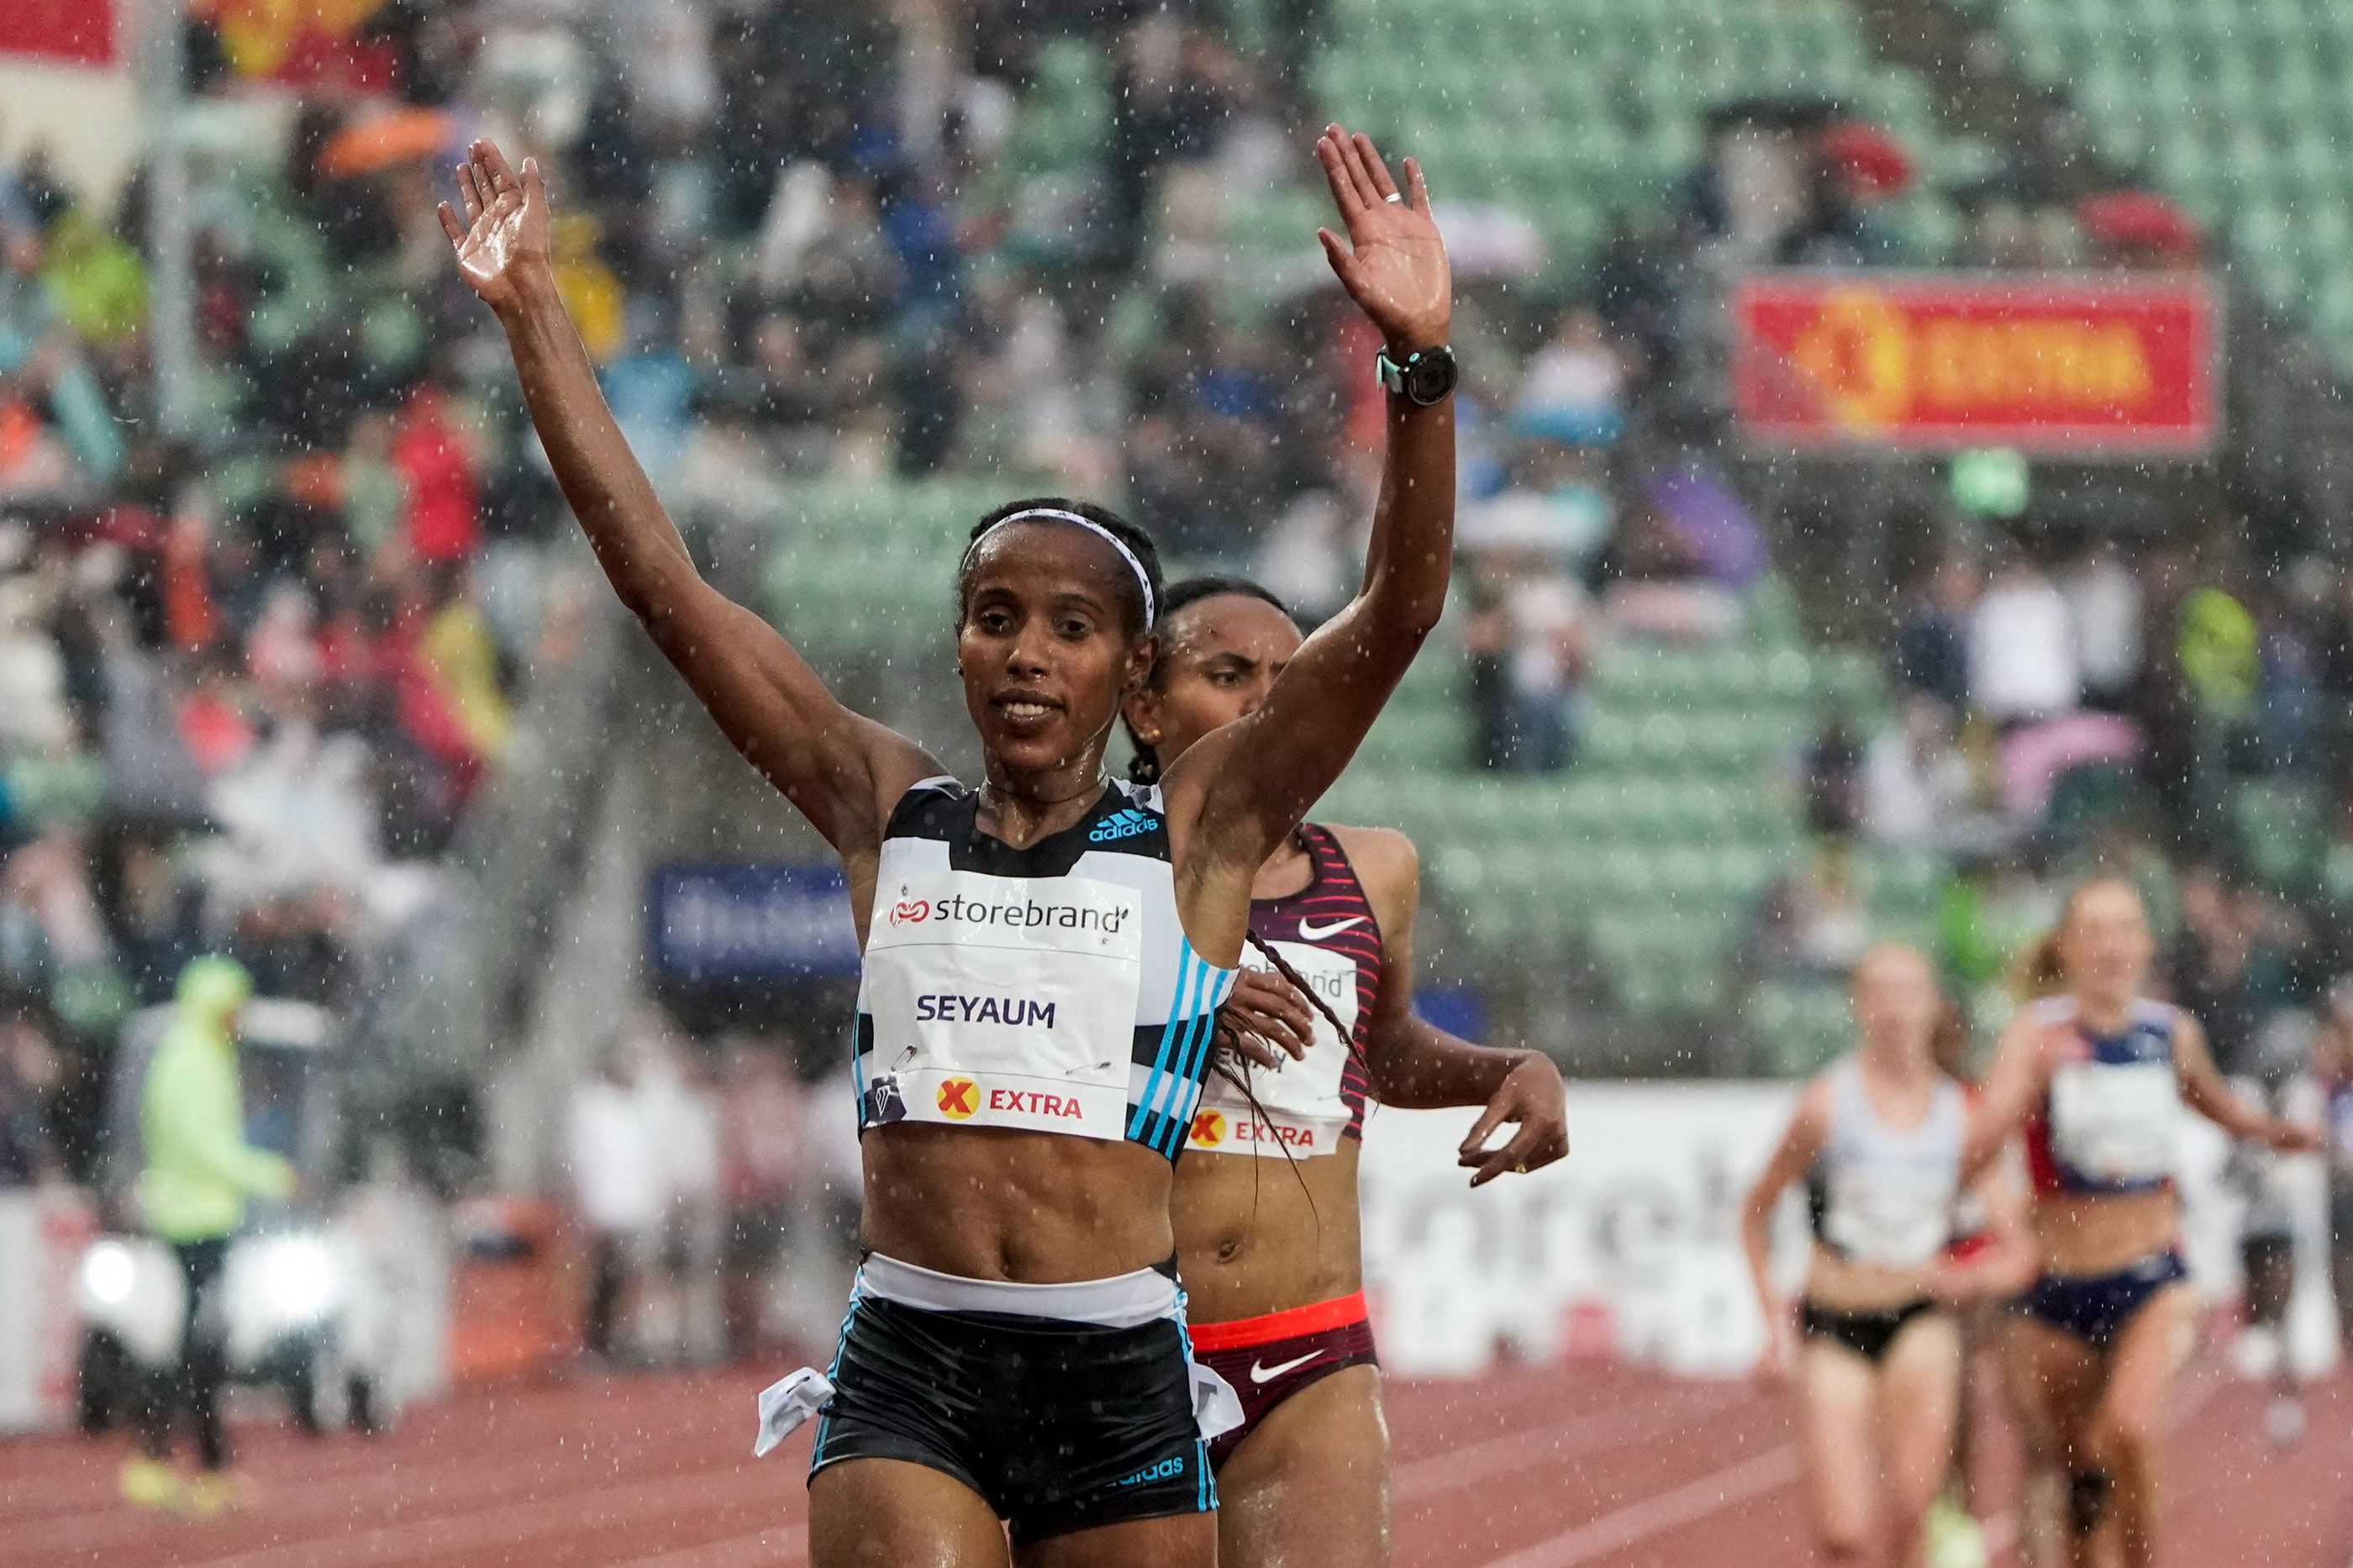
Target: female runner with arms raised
(1268, 1250)
(1043, 955)
(2096, 1074)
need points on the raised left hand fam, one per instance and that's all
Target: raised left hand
(1532, 1097)
(1392, 263)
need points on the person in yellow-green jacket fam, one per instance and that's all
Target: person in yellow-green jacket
(199, 1173)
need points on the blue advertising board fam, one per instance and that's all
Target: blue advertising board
(732, 923)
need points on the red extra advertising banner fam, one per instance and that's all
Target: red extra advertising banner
(72, 32)
(303, 43)
(2080, 366)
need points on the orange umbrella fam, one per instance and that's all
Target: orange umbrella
(386, 141)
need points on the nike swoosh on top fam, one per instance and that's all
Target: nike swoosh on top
(1261, 1372)
(1310, 930)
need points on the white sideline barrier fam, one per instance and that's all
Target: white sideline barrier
(43, 1234)
(398, 1324)
(1629, 1246)
(1632, 1246)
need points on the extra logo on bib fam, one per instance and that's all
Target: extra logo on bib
(1009, 1002)
(1300, 1111)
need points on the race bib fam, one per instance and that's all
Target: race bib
(2116, 1122)
(1300, 1112)
(1893, 1220)
(1004, 1002)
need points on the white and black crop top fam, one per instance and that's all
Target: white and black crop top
(1882, 1195)
(1049, 989)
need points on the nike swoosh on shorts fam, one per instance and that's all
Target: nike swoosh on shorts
(1261, 1372)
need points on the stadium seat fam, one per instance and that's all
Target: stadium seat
(1575, 111)
(1798, 1026)
(2279, 834)
(2236, 108)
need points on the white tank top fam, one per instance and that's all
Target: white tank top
(1049, 989)
(1883, 1196)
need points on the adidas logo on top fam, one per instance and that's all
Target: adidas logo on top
(1126, 822)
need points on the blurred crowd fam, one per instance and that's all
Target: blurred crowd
(251, 670)
(261, 648)
(1596, 509)
(2066, 707)
(695, 1174)
(258, 651)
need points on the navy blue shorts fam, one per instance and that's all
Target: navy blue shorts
(2095, 1308)
(1059, 1426)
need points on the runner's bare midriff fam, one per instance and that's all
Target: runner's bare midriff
(1034, 1208)
(1845, 1285)
(2100, 1235)
(1257, 1236)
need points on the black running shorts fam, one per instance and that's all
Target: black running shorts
(1060, 1426)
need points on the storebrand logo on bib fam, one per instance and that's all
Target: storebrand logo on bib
(911, 911)
(1018, 911)
(958, 1098)
(1336, 983)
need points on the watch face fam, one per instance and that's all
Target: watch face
(1430, 377)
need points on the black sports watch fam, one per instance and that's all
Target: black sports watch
(1425, 377)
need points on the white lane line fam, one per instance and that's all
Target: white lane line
(1627, 1422)
(1754, 1476)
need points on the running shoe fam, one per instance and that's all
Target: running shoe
(151, 1483)
(1956, 1540)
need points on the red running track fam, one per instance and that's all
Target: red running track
(1577, 1468)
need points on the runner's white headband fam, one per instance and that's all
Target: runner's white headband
(1143, 579)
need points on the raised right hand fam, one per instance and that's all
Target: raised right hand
(505, 232)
